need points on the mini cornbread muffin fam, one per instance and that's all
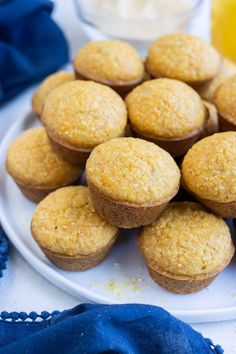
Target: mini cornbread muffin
(209, 173)
(51, 82)
(80, 115)
(186, 247)
(110, 62)
(36, 168)
(225, 100)
(69, 232)
(212, 120)
(131, 181)
(167, 112)
(183, 57)
(207, 90)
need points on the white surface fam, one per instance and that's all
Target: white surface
(122, 277)
(22, 288)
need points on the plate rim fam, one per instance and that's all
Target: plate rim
(191, 316)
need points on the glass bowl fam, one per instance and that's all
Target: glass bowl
(141, 25)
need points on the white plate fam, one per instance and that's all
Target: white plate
(122, 277)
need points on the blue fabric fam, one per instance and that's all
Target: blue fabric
(31, 45)
(3, 250)
(92, 329)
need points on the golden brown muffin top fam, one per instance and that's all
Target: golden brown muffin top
(66, 223)
(225, 100)
(165, 108)
(133, 170)
(183, 57)
(84, 114)
(186, 240)
(47, 85)
(209, 168)
(208, 89)
(31, 160)
(109, 61)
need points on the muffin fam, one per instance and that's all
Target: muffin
(51, 82)
(209, 173)
(207, 90)
(186, 247)
(183, 57)
(36, 168)
(212, 121)
(110, 62)
(131, 181)
(69, 232)
(167, 112)
(80, 115)
(225, 100)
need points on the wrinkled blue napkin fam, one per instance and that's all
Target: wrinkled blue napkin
(108, 329)
(31, 45)
(3, 250)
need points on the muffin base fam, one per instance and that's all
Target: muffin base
(186, 284)
(36, 194)
(69, 153)
(183, 286)
(121, 87)
(124, 214)
(79, 262)
(177, 147)
(225, 125)
(212, 122)
(76, 155)
(225, 210)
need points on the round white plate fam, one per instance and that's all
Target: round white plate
(122, 277)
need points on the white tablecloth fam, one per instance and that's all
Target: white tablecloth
(22, 288)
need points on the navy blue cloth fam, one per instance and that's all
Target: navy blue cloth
(3, 250)
(31, 45)
(92, 329)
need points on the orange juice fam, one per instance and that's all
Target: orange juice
(224, 27)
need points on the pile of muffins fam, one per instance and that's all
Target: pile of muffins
(140, 130)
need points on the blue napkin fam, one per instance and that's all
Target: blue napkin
(31, 45)
(3, 250)
(93, 329)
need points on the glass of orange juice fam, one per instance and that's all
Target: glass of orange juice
(224, 27)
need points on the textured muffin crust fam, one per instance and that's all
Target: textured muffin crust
(50, 83)
(66, 223)
(84, 114)
(109, 60)
(208, 89)
(225, 100)
(184, 57)
(165, 108)
(209, 168)
(133, 170)
(31, 160)
(186, 240)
